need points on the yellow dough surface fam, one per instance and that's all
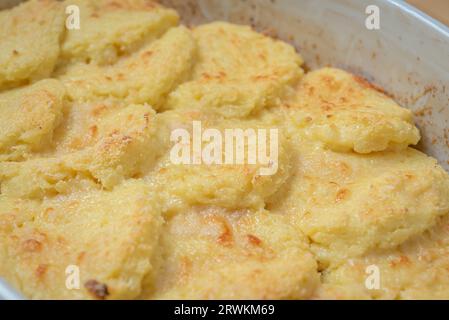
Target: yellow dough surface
(93, 206)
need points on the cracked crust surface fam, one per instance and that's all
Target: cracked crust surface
(88, 187)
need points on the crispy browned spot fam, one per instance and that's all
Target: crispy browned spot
(226, 237)
(219, 76)
(330, 82)
(41, 270)
(341, 195)
(365, 83)
(93, 131)
(99, 110)
(80, 257)
(254, 240)
(49, 211)
(97, 289)
(114, 5)
(263, 77)
(147, 54)
(402, 260)
(32, 245)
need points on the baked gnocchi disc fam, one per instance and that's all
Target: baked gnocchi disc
(96, 188)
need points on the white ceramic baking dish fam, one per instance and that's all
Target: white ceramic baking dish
(408, 55)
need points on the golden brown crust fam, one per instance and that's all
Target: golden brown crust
(89, 191)
(30, 35)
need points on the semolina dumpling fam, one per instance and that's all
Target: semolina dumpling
(238, 72)
(30, 36)
(346, 113)
(143, 159)
(29, 117)
(218, 254)
(110, 29)
(111, 237)
(146, 76)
